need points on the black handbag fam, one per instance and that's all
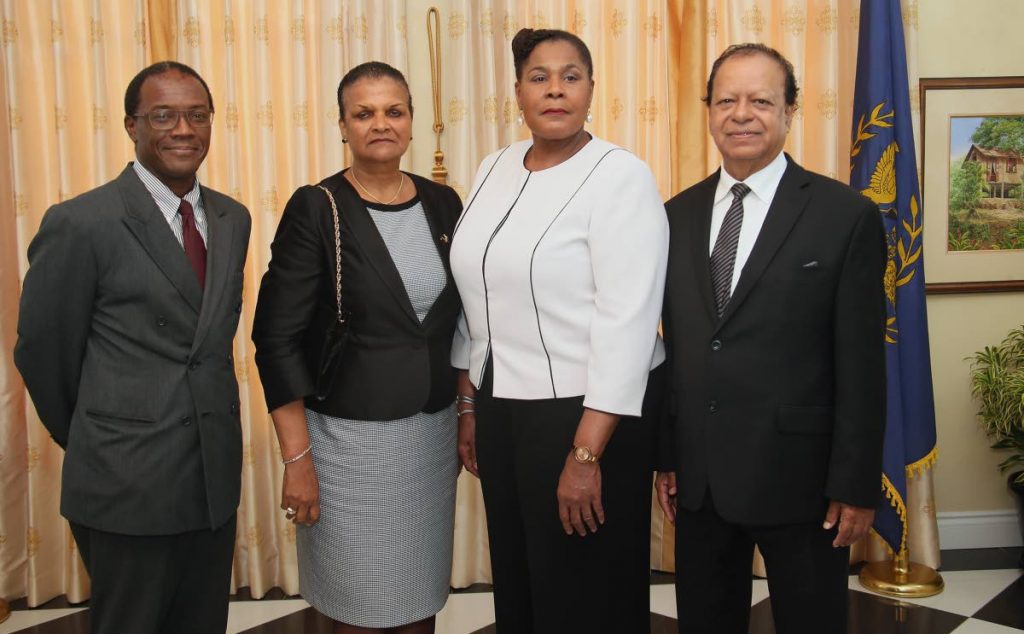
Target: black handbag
(337, 335)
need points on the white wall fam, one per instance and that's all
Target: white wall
(958, 38)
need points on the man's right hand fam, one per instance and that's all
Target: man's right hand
(665, 484)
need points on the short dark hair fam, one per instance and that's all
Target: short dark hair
(370, 70)
(527, 39)
(753, 48)
(131, 95)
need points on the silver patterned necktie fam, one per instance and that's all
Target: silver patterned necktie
(723, 256)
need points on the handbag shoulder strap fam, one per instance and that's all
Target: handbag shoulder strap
(337, 253)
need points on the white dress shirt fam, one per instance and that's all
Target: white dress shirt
(561, 273)
(168, 202)
(762, 186)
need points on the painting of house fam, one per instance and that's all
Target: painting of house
(986, 196)
(1002, 170)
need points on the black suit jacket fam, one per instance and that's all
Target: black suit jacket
(779, 406)
(393, 366)
(128, 360)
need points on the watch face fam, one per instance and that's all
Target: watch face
(583, 454)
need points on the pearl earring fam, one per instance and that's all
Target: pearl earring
(519, 119)
(590, 117)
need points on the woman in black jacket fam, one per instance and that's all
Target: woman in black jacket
(370, 462)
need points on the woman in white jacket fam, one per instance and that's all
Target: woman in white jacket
(559, 258)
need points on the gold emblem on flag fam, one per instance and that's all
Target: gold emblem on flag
(904, 240)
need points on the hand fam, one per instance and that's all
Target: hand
(854, 522)
(301, 492)
(665, 485)
(579, 497)
(467, 443)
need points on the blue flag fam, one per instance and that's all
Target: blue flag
(883, 168)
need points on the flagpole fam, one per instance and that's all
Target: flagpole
(5, 610)
(901, 578)
(883, 168)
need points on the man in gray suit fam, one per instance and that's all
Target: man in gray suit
(128, 311)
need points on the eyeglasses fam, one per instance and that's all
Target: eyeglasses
(164, 119)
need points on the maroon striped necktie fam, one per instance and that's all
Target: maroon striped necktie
(195, 248)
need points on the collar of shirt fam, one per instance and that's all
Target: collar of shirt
(762, 183)
(168, 201)
(756, 204)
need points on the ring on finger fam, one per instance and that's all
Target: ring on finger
(290, 512)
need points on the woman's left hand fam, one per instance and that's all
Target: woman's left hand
(579, 497)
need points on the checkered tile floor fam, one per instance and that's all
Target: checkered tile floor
(984, 595)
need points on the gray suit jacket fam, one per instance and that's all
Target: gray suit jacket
(128, 360)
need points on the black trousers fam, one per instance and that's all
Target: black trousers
(545, 580)
(158, 584)
(807, 577)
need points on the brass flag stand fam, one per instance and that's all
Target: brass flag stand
(901, 578)
(439, 173)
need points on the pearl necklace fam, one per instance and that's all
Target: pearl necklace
(401, 183)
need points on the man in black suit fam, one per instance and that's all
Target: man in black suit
(128, 312)
(774, 319)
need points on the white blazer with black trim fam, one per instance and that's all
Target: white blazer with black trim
(561, 273)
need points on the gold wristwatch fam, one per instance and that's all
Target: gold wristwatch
(583, 455)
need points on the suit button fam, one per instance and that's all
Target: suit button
(234, 408)
(712, 406)
(716, 345)
(161, 321)
(193, 366)
(230, 358)
(186, 421)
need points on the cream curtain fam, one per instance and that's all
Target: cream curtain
(273, 67)
(65, 66)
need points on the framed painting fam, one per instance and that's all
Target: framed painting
(972, 147)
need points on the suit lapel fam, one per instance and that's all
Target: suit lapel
(218, 259)
(700, 236)
(148, 225)
(352, 209)
(788, 204)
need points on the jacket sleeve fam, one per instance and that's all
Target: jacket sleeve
(55, 317)
(461, 344)
(287, 300)
(628, 251)
(855, 465)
